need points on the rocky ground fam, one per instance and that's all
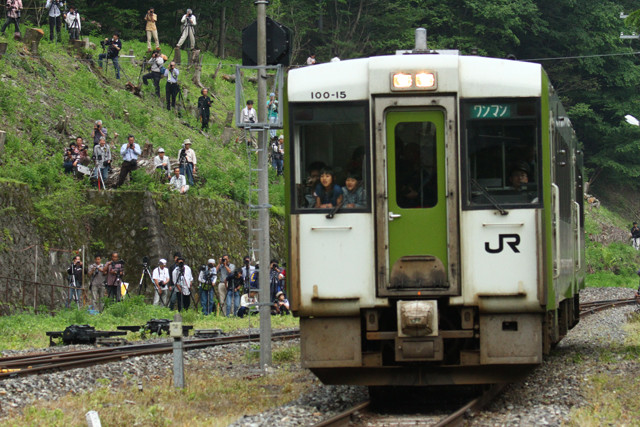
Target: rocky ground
(544, 398)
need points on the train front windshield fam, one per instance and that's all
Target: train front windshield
(331, 157)
(502, 153)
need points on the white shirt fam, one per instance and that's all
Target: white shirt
(186, 280)
(171, 75)
(193, 19)
(54, 10)
(157, 161)
(129, 154)
(247, 114)
(212, 271)
(246, 301)
(311, 61)
(73, 20)
(177, 182)
(162, 276)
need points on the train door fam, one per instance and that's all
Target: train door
(413, 222)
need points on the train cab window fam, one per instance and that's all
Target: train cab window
(502, 150)
(330, 140)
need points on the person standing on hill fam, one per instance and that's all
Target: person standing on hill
(129, 152)
(635, 236)
(113, 46)
(73, 23)
(187, 160)
(171, 89)
(55, 18)
(151, 18)
(188, 29)
(156, 62)
(204, 103)
(13, 15)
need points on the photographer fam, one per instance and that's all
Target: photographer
(55, 19)
(162, 163)
(102, 159)
(188, 29)
(96, 283)
(171, 89)
(224, 269)
(234, 284)
(156, 62)
(277, 154)
(204, 103)
(71, 158)
(247, 270)
(114, 269)
(73, 23)
(13, 15)
(99, 131)
(151, 18)
(274, 281)
(113, 46)
(248, 115)
(161, 280)
(129, 152)
(187, 159)
(83, 156)
(280, 305)
(272, 113)
(75, 280)
(207, 278)
(182, 279)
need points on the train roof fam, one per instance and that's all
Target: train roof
(468, 76)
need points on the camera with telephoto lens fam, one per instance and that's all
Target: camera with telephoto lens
(145, 261)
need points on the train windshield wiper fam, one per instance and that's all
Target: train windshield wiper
(489, 197)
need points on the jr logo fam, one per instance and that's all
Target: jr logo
(513, 240)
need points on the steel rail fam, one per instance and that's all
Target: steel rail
(473, 406)
(34, 364)
(343, 418)
(595, 306)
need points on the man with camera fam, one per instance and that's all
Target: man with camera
(171, 89)
(96, 282)
(102, 160)
(75, 280)
(114, 269)
(71, 158)
(151, 18)
(129, 152)
(247, 270)
(55, 19)
(225, 268)
(113, 46)
(99, 131)
(274, 281)
(13, 15)
(187, 159)
(204, 105)
(161, 280)
(73, 23)
(188, 29)
(182, 280)
(162, 164)
(248, 115)
(234, 284)
(156, 62)
(207, 278)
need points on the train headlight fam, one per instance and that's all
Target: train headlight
(402, 81)
(413, 80)
(425, 80)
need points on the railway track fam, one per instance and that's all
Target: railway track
(17, 366)
(588, 308)
(363, 411)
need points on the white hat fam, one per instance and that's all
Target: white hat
(211, 261)
(281, 137)
(187, 141)
(162, 260)
(160, 150)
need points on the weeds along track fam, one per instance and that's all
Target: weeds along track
(17, 366)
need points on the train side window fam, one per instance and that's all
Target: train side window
(333, 136)
(502, 150)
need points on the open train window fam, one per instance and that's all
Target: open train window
(501, 166)
(330, 139)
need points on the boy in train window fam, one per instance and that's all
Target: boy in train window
(353, 193)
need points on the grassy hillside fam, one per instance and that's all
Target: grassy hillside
(611, 260)
(35, 92)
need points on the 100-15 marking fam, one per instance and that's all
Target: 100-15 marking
(326, 95)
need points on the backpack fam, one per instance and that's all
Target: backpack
(162, 70)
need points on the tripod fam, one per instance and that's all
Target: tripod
(73, 292)
(98, 174)
(142, 286)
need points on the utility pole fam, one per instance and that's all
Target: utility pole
(263, 194)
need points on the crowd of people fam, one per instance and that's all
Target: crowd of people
(218, 287)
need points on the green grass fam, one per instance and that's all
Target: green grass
(36, 92)
(27, 330)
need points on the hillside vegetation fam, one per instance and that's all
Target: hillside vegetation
(37, 92)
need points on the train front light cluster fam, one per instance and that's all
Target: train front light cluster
(416, 80)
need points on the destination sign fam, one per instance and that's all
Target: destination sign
(490, 111)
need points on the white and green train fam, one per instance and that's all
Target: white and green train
(462, 258)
